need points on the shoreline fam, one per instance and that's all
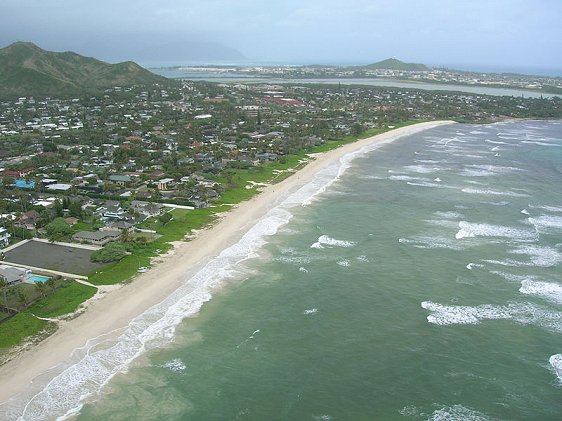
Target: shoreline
(111, 313)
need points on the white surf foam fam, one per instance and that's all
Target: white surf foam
(326, 241)
(457, 413)
(551, 291)
(488, 170)
(310, 311)
(176, 365)
(541, 256)
(490, 192)
(432, 242)
(469, 230)
(420, 169)
(547, 223)
(448, 214)
(344, 263)
(82, 379)
(495, 142)
(547, 208)
(523, 313)
(538, 143)
(406, 178)
(556, 364)
(471, 266)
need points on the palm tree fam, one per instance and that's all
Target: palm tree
(22, 299)
(41, 288)
(4, 288)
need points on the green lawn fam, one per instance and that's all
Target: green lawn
(21, 326)
(63, 301)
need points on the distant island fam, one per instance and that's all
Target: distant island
(26, 69)
(395, 64)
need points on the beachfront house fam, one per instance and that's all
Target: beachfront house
(11, 274)
(97, 238)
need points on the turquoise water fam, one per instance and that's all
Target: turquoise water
(38, 278)
(423, 284)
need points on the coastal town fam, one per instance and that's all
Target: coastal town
(402, 72)
(94, 188)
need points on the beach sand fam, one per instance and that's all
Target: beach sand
(111, 312)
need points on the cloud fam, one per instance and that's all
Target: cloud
(509, 32)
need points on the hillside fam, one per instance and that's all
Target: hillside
(27, 70)
(395, 64)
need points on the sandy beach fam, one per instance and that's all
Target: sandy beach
(111, 312)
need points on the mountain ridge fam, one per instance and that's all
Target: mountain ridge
(28, 70)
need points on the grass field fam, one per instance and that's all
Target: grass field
(63, 301)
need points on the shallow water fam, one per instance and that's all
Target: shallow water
(424, 283)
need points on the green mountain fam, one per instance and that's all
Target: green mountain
(27, 70)
(395, 64)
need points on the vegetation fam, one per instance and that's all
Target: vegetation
(65, 300)
(26, 69)
(112, 252)
(395, 64)
(21, 326)
(58, 229)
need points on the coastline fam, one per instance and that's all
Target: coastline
(111, 313)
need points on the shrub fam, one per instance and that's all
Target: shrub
(112, 252)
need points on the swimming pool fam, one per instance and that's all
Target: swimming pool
(38, 278)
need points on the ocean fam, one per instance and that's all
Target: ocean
(418, 280)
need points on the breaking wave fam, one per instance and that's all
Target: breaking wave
(524, 313)
(325, 241)
(470, 230)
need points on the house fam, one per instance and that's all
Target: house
(146, 209)
(24, 184)
(97, 238)
(4, 237)
(11, 274)
(119, 225)
(28, 220)
(122, 180)
(18, 173)
(164, 183)
(112, 210)
(71, 220)
(58, 187)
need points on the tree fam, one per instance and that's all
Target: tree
(51, 284)
(112, 252)
(4, 288)
(58, 208)
(58, 229)
(22, 299)
(41, 288)
(165, 218)
(124, 235)
(75, 208)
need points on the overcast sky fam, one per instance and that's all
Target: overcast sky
(486, 33)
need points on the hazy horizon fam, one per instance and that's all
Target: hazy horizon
(496, 35)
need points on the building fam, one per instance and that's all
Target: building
(164, 183)
(4, 237)
(28, 220)
(12, 275)
(97, 238)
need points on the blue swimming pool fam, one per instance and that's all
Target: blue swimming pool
(38, 278)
